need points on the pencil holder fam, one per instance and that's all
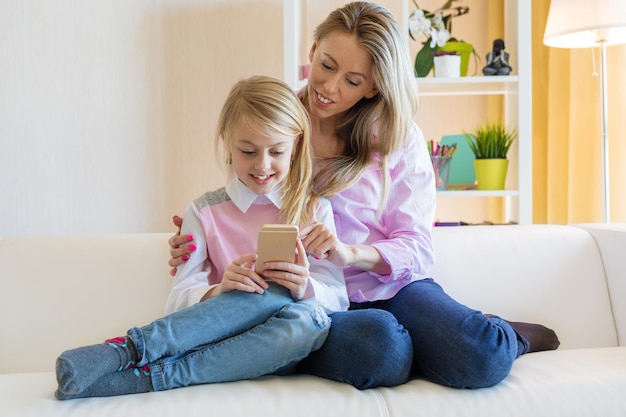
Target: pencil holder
(441, 166)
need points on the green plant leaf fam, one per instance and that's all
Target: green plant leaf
(490, 141)
(424, 60)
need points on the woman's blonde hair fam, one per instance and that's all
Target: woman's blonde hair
(267, 103)
(387, 115)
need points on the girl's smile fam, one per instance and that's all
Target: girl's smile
(262, 179)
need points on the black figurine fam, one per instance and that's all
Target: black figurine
(497, 60)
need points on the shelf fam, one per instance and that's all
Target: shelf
(478, 193)
(431, 86)
(464, 86)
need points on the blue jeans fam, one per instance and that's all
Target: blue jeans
(421, 332)
(232, 336)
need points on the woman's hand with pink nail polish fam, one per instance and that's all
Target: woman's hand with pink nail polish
(179, 245)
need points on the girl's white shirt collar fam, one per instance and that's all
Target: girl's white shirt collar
(243, 197)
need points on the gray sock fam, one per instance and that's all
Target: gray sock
(130, 381)
(78, 368)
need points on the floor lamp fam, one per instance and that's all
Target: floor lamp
(586, 24)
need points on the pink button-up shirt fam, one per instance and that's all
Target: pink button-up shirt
(402, 233)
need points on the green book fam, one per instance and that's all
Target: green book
(462, 162)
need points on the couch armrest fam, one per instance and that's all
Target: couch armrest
(611, 240)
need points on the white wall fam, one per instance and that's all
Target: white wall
(107, 108)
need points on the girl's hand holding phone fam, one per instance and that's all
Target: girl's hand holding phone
(293, 276)
(240, 276)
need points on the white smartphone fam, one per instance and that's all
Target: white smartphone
(277, 242)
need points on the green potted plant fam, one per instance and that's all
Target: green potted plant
(437, 27)
(490, 144)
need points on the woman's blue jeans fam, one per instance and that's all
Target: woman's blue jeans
(421, 332)
(232, 336)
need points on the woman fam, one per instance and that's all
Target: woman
(373, 165)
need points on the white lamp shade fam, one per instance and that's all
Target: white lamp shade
(585, 23)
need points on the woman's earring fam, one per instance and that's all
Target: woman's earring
(229, 160)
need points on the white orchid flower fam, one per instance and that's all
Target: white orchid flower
(439, 37)
(437, 21)
(419, 24)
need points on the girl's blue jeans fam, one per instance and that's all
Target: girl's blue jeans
(421, 332)
(232, 336)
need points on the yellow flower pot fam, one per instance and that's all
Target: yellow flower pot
(491, 173)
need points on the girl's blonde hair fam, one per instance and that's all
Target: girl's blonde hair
(269, 104)
(388, 114)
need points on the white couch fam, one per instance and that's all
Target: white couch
(61, 292)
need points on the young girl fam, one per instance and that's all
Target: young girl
(232, 310)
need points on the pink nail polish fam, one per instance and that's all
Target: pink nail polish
(192, 248)
(185, 257)
(189, 238)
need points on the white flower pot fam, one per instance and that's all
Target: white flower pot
(448, 66)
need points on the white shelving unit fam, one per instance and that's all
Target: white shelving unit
(467, 86)
(516, 89)
(517, 92)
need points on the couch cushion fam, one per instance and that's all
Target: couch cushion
(31, 395)
(574, 382)
(67, 291)
(548, 274)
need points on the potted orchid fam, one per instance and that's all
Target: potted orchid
(437, 27)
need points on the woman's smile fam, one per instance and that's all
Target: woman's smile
(322, 99)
